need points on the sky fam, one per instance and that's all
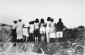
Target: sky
(72, 12)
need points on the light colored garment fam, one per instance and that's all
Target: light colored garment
(36, 25)
(52, 30)
(52, 25)
(14, 26)
(25, 32)
(59, 34)
(19, 30)
(52, 35)
(31, 28)
(42, 30)
(48, 31)
(48, 27)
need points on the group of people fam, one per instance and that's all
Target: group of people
(37, 31)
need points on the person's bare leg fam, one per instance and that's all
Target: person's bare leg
(26, 39)
(43, 37)
(37, 39)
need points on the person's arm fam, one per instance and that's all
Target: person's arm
(44, 24)
(39, 25)
(64, 28)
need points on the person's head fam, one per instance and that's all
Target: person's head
(52, 20)
(15, 21)
(20, 20)
(42, 20)
(30, 22)
(37, 20)
(60, 20)
(33, 22)
(49, 18)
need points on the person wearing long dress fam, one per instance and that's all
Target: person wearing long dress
(20, 30)
(52, 29)
(48, 28)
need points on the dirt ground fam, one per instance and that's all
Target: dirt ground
(8, 48)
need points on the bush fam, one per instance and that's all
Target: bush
(5, 34)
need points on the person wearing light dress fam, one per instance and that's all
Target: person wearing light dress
(48, 29)
(52, 29)
(19, 30)
(25, 32)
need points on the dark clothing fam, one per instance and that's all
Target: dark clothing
(31, 37)
(14, 35)
(59, 26)
(36, 33)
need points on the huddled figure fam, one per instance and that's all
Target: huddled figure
(37, 30)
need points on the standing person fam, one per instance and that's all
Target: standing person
(25, 33)
(59, 27)
(36, 30)
(14, 34)
(20, 30)
(52, 29)
(48, 28)
(31, 31)
(42, 30)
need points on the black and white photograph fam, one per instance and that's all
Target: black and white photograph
(42, 27)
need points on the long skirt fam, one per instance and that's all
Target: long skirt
(19, 34)
(14, 35)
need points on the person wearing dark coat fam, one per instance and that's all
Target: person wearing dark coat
(14, 34)
(59, 28)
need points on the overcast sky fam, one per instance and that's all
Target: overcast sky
(72, 12)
